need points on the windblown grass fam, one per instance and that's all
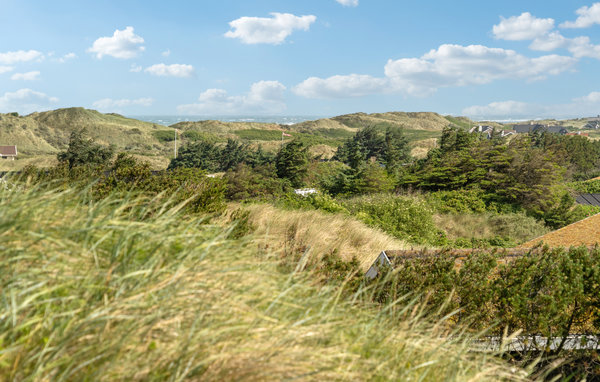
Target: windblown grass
(317, 233)
(116, 290)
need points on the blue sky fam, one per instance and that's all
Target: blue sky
(497, 60)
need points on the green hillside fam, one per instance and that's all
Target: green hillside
(39, 136)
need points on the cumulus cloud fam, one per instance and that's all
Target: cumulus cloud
(166, 53)
(5, 69)
(135, 68)
(123, 44)
(263, 97)
(264, 30)
(523, 27)
(66, 57)
(456, 65)
(447, 66)
(29, 76)
(20, 56)
(26, 101)
(108, 104)
(174, 70)
(587, 105)
(348, 3)
(588, 16)
(353, 85)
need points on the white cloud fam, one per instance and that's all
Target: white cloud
(523, 27)
(123, 44)
(504, 110)
(353, 85)
(582, 47)
(174, 70)
(274, 30)
(593, 97)
(510, 110)
(20, 56)
(108, 104)
(263, 97)
(348, 3)
(135, 68)
(549, 42)
(66, 57)
(26, 101)
(5, 69)
(456, 65)
(588, 16)
(166, 53)
(447, 66)
(29, 76)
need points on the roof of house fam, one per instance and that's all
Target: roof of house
(522, 129)
(8, 150)
(588, 199)
(585, 232)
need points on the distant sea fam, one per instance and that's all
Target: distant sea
(168, 120)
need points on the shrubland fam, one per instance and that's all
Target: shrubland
(184, 273)
(128, 287)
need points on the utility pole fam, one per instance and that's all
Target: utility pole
(175, 143)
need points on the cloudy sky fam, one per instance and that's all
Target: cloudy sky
(487, 60)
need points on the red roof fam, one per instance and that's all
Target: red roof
(8, 150)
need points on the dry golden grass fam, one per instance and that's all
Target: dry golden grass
(111, 290)
(319, 233)
(421, 148)
(21, 162)
(585, 232)
(518, 227)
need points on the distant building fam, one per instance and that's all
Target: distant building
(8, 152)
(588, 199)
(539, 128)
(305, 191)
(594, 119)
(488, 131)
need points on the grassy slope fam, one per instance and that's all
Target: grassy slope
(40, 136)
(109, 291)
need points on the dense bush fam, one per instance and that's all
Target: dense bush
(402, 217)
(84, 151)
(551, 293)
(262, 183)
(164, 135)
(318, 201)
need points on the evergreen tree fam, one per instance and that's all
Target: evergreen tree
(396, 150)
(84, 151)
(203, 155)
(292, 162)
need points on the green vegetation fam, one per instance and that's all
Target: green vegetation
(129, 296)
(164, 135)
(118, 291)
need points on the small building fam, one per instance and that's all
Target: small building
(588, 199)
(381, 261)
(539, 128)
(305, 191)
(8, 152)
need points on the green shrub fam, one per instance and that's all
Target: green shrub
(164, 135)
(457, 201)
(402, 217)
(318, 201)
(261, 183)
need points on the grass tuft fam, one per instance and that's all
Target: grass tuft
(113, 290)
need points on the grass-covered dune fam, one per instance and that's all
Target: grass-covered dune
(127, 288)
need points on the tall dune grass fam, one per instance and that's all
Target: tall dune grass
(114, 290)
(318, 233)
